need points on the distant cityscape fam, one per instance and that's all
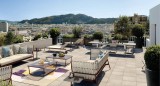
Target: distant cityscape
(28, 30)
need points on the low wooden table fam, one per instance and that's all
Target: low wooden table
(42, 66)
(65, 58)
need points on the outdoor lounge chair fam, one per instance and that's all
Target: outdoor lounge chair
(5, 75)
(129, 47)
(113, 46)
(89, 70)
(58, 48)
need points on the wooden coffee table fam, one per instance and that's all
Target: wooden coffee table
(44, 67)
(65, 58)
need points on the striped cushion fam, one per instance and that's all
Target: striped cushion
(10, 52)
(29, 50)
(23, 50)
(85, 67)
(16, 49)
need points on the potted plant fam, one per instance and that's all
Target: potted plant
(98, 35)
(152, 61)
(138, 31)
(54, 34)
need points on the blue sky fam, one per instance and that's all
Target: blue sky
(16, 10)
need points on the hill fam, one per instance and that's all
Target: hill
(70, 19)
(11, 22)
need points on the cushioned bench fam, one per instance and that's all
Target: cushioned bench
(14, 54)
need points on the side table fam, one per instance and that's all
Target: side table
(73, 79)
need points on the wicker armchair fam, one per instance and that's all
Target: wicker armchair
(5, 75)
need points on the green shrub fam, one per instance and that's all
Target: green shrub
(68, 36)
(88, 36)
(151, 57)
(109, 38)
(18, 39)
(98, 35)
(37, 36)
(9, 38)
(117, 37)
(124, 38)
(45, 35)
(77, 32)
(55, 32)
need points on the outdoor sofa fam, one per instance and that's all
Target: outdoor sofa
(14, 53)
(89, 70)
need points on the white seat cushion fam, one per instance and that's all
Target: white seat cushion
(14, 58)
(55, 47)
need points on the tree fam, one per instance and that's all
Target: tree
(55, 32)
(122, 26)
(77, 32)
(9, 38)
(138, 30)
(98, 35)
(146, 26)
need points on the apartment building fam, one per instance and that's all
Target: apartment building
(138, 19)
(155, 25)
(4, 26)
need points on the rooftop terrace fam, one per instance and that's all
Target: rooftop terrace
(125, 71)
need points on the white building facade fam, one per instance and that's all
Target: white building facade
(4, 26)
(155, 25)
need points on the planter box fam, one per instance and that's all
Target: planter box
(72, 40)
(152, 77)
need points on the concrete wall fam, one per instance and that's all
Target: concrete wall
(37, 44)
(155, 23)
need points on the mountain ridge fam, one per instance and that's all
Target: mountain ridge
(70, 19)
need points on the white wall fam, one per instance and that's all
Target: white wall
(155, 20)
